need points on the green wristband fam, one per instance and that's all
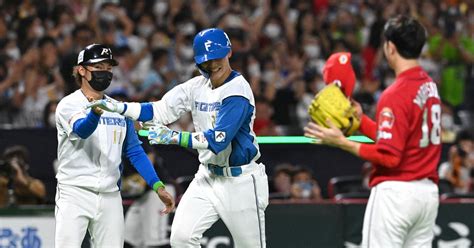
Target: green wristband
(184, 139)
(157, 185)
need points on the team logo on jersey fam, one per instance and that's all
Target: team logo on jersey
(219, 136)
(200, 138)
(386, 118)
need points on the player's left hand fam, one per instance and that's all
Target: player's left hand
(160, 134)
(167, 199)
(332, 136)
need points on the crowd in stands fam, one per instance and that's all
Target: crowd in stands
(280, 46)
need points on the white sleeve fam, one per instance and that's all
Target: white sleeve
(238, 87)
(66, 115)
(175, 103)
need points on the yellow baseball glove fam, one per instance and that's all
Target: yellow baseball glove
(330, 103)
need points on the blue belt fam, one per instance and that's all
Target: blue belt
(223, 171)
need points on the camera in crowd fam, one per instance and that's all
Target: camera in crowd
(6, 169)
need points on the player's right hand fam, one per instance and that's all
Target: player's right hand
(96, 110)
(167, 199)
(108, 105)
(160, 134)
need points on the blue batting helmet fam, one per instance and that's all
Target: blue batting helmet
(209, 44)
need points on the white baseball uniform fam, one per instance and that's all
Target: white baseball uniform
(229, 184)
(89, 172)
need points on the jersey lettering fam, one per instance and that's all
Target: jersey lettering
(207, 107)
(112, 121)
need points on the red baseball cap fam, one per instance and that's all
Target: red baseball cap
(338, 69)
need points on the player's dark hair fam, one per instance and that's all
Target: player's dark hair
(407, 34)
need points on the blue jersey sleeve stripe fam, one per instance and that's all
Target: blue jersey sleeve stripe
(146, 112)
(230, 117)
(137, 156)
(84, 127)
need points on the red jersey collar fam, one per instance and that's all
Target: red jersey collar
(410, 72)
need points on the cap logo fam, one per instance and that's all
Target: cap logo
(207, 45)
(105, 51)
(343, 59)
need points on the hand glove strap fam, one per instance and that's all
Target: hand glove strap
(184, 139)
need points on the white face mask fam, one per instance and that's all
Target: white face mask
(13, 53)
(145, 30)
(234, 21)
(268, 76)
(447, 121)
(254, 70)
(67, 29)
(52, 120)
(39, 31)
(160, 8)
(186, 52)
(187, 28)
(272, 30)
(312, 51)
(107, 16)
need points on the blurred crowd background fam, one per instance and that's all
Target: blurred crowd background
(280, 46)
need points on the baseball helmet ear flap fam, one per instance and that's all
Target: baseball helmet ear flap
(209, 44)
(96, 53)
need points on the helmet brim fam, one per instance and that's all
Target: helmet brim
(217, 54)
(112, 62)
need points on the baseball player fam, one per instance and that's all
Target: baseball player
(403, 203)
(229, 184)
(90, 148)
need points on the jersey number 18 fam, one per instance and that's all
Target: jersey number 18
(433, 135)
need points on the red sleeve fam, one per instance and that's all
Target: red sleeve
(393, 123)
(368, 127)
(378, 156)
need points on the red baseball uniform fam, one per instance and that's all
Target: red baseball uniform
(403, 202)
(408, 127)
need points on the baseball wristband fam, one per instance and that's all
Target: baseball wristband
(158, 185)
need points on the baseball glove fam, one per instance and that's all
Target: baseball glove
(330, 103)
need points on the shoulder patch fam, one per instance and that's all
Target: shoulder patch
(219, 136)
(386, 118)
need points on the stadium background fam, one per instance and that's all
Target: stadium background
(280, 46)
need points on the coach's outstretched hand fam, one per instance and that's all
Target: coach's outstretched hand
(108, 105)
(167, 199)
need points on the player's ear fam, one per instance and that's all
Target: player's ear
(81, 70)
(391, 47)
(229, 54)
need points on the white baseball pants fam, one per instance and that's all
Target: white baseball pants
(239, 201)
(401, 214)
(79, 209)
